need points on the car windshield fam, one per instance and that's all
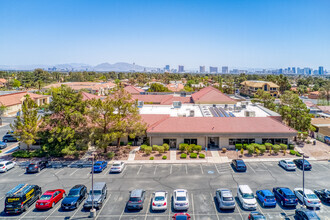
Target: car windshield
(290, 196)
(159, 198)
(311, 196)
(32, 165)
(2, 164)
(45, 197)
(98, 164)
(181, 198)
(248, 196)
(228, 199)
(116, 165)
(289, 162)
(134, 199)
(96, 192)
(74, 193)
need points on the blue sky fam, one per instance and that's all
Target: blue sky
(237, 33)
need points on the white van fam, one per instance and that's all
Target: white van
(246, 197)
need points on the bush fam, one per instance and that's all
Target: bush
(308, 142)
(148, 150)
(291, 146)
(129, 143)
(242, 151)
(164, 157)
(110, 155)
(257, 151)
(292, 152)
(161, 149)
(143, 147)
(298, 154)
(182, 147)
(198, 148)
(276, 148)
(244, 146)
(193, 155)
(238, 146)
(190, 148)
(183, 156)
(155, 147)
(283, 146)
(0, 151)
(22, 154)
(250, 149)
(201, 155)
(166, 147)
(268, 146)
(122, 143)
(224, 150)
(262, 149)
(151, 158)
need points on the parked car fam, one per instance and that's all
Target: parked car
(36, 166)
(3, 145)
(299, 164)
(181, 216)
(287, 164)
(99, 166)
(117, 167)
(159, 200)
(256, 215)
(285, 196)
(180, 199)
(9, 138)
(246, 197)
(306, 214)
(6, 165)
(225, 199)
(136, 199)
(50, 198)
(309, 199)
(96, 196)
(239, 165)
(76, 196)
(266, 197)
(323, 194)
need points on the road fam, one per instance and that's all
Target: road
(5, 129)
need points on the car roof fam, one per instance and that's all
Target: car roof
(99, 185)
(309, 213)
(287, 160)
(286, 191)
(256, 213)
(4, 161)
(48, 192)
(307, 191)
(136, 192)
(245, 189)
(267, 192)
(77, 187)
(181, 192)
(117, 162)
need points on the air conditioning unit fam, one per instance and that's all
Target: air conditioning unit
(140, 104)
(192, 113)
(250, 114)
(177, 104)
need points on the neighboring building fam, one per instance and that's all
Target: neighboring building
(202, 69)
(322, 132)
(225, 69)
(133, 90)
(321, 70)
(181, 69)
(211, 95)
(167, 68)
(3, 82)
(14, 101)
(175, 87)
(314, 95)
(251, 87)
(213, 69)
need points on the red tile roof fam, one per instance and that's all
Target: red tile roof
(211, 95)
(17, 98)
(152, 120)
(133, 90)
(175, 87)
(88, 96)
(211, 125)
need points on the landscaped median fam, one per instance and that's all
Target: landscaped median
(190, 151)
(154, 152)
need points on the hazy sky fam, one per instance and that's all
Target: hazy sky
(240, 33)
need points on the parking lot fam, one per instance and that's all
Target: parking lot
(201, 180)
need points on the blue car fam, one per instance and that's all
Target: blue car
(266, 197)
(285, 196)
(239, 165)
(99, 166)
(3, 145)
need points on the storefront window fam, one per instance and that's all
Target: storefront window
(241, 141)
(190, 141)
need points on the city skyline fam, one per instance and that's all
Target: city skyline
(242, 34)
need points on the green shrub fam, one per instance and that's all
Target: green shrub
(183, 156)
(268, 146)
(291, 146)
(298, 154)
(164, 157)
(190, 148)
(155, 147)
(257, 151)
(262, 149)
(242, 151)
(198, 148)
(193, 155)
(151, 158)
(122, 143)
(276, 148)
(148, 150)
(308, 142)
(182, 147)
(129, 143)
(292, 152)
(143, 147)
(161, 149)
(238, 146)
(0, 151)
(283, 146)
(22, 154)
(166, 147)
(256, 146)
(250, 149)
(110, 155)
(244, 146)
(201, 155)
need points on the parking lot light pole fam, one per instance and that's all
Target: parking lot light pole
(303, 168)
(92, 211)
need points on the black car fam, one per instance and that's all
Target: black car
(323, 194)
(9, 138)
(299, 164)
(306, 214)
(35, 167)
(76, 196)
(136, 199)
(239, 165)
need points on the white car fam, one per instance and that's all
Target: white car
(159, 200)
(6, 165)
(287, 164)
(310, 199)
(180, 199)
(246, 197)
(117, 167)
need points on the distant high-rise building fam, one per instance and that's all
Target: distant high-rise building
(167, 68)
(321, 70)
(280, 71)
(293, 69)
(181, 69)
(225, 69)
(307, 71)
(201, 69)
(213, 69)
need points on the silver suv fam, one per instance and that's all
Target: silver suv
(98, 194)
(225, 199)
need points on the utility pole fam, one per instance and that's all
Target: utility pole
(92, 211)
(303, 179)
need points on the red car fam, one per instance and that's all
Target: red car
(50, 198)
(181, 216)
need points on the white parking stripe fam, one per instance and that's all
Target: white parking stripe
(146, 216)
(216, 168)
(238, 208)
(186, 169)
(42, 171)
(106, 172)
(73, 172)
(55, 209)
(29, 210)
(139, 170)
(98, 214)
(215, 208)
(171, 170)
(155, 169)
(58, 171)
(192, 202)
(201, 168)
(251, 168)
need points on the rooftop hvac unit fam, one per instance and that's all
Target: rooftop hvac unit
(250, 113)
(214, 105)
(140, 104)
(177, 104)
(192, 113)
(226, 106)
(243, 106)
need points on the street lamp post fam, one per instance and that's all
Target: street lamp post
(92, 211)
(303, 167)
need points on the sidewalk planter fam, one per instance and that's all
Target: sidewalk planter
(183, 156)
(201, 156)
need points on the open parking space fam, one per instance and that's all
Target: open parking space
(201, 181)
